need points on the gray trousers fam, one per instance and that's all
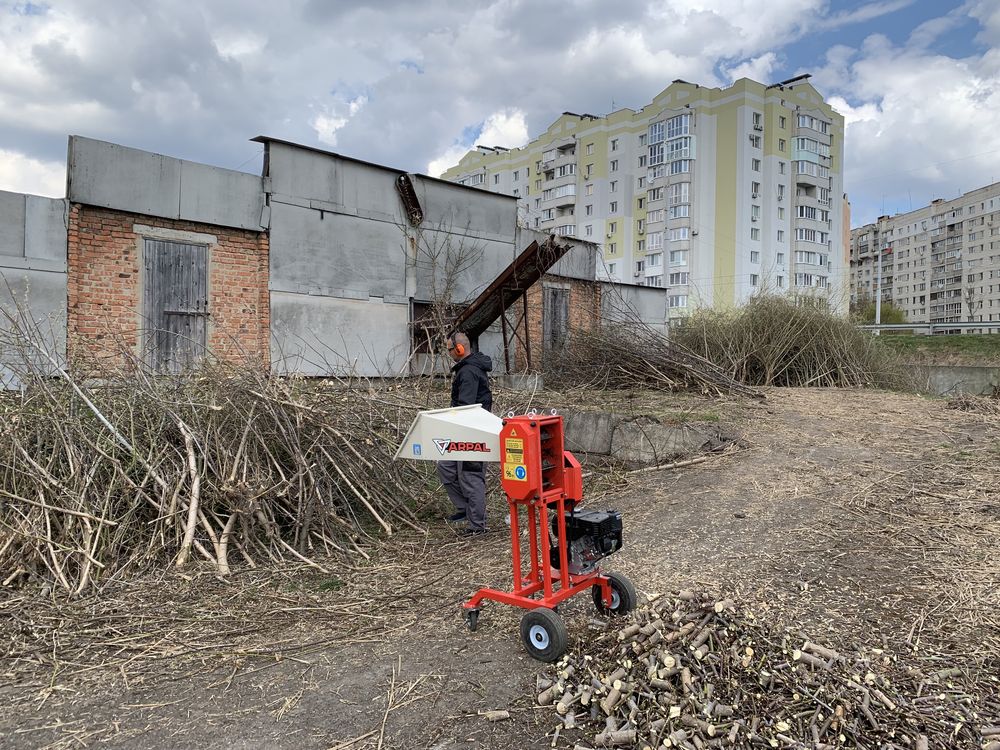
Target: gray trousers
(466, 487)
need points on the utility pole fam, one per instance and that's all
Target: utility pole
(878, 290)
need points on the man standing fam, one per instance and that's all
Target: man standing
(465, 481)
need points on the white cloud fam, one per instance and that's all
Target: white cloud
(328, 123)
(757, 69)
(21, 174)
(506, 128)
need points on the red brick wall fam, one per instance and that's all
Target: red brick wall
(584, 312)
(105, 277)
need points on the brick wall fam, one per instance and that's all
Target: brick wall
(584, 312)
(105, 278)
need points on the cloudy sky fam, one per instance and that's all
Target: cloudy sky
(415, 84)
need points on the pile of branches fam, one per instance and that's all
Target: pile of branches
(630, 354)
(688, 671)
(774, 341)
(125, 471)
(987, 405)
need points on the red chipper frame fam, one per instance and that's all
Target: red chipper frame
(537, 475)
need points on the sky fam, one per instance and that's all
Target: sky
(414, 85)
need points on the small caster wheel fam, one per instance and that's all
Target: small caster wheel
(623, 596)
(543, 634)
(472, 619)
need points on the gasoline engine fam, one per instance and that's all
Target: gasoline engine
(591, 535)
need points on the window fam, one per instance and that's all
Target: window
(588, 230)
(780, 259)
(678, 257)
(681, 211)
(679, 193)
(755, 212)
(679, 125)
(782, 144)
(679, 148)
(654, 216)
(640, 226)
(678, 300)
(781, 167)
(640, 203)
(588, 171)
(612, 227)
(781, 212)
(680, 166)
(812, 146)
(656, 154)
(566, 170)
(754, 189)
(655, 194)
(655, 172)
(755, 256)
(755, 233)
(496, 179)
(517, 192)
(613, 208)
(588, 189)
(612, 267)
(755, 141)
(806, 212)
(806, 121)
(614, 165)
(614, 186)
(642, 161)
(654, 280)
(679, 278)
(754, 279)
(640, 246)
(590, 149)
(612, 248)
(655, 240)
(588, 210)
(640, 183)
(679, 233)
(656, 132)
(780, 282)
(782, 122)
(755, 165)
(758, 121)
(642, 139)
(614, 144)
(655, 260)
(812, 169)
(516, 175)
(781, 238)
(640, 266)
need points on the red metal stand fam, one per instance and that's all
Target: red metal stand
(538, 474)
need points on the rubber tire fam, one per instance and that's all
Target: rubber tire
(627, 598)
(472, 619)
(553, 627)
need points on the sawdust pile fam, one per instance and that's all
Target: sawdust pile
(689, 671)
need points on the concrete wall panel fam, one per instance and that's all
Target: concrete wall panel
(45, 228)
(335, 255)
(111, 176)
(32, 306)
(302, 172)
(620, 301)
(460, 209)
(323, 336)
(12, 224)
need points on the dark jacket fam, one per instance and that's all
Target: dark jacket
(469, 384)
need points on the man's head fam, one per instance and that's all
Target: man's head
(458, 346)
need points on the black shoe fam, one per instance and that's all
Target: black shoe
(456, 517)
(474, 532)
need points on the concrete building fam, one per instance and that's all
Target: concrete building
(940, 263)
(313, 267)
(714, 194)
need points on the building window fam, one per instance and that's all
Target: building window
(612, 227)
(755, 212)
(612, 267)
(642, 160)
(655, 260)
(781, 167)
(590, 149)
(640, 266)
(588, 230)
(781, 259)
(755, 165)
(640, 246)
(782, 122)
(588, 189)
(781, 282)
(612, 248)
(681, 211)
(639, 226)
(781, 212)
(678, 300)
(678, 257)
(655, 194)
(655, 240)
(642, 139)
(614, 144)
(754, 233)
(754, 189)
(496, 179)
(755, 141)
(754, 279)
(679, 233)
(758, 121)
(613, 186)
(781, 144)
(588, 171)
(680, 166)
(614, 165)
(613, 208)
(781, 238)
(654, 216)
(755, 256)
(516, 175)
(640, 203)
(678, 279)
(588, 210)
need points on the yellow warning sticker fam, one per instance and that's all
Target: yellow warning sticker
(515, 473)
(514, 450)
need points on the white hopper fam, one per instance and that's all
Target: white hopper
(459, 433)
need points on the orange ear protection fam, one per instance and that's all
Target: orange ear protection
(459, 348)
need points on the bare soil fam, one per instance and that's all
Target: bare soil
(860, 517)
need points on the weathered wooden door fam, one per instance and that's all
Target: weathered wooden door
(555, 317)
(176, 304)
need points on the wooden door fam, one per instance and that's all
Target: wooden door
(176, 304)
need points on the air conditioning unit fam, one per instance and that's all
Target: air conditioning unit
(642, 231)
(781, 197)
(753, 195)
(694, 232)
(758, 127)
(753, 218)
(610, 235)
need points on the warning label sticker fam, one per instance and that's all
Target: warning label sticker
(515, 473)
(514, 450)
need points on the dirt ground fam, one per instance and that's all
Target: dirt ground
(862, 518)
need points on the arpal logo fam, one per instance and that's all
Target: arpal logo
(447, 445)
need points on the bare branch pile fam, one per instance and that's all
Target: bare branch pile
(629, 354)
(221, 465)
(688, 671)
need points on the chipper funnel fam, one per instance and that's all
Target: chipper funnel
(460, 433)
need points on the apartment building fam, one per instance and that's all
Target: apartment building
(714, 193)
(940, 263)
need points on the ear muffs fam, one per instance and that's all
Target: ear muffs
(459, 349)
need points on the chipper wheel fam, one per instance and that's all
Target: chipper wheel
(623, 596)
(543, 634)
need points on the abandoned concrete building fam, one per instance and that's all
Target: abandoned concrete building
(323, 265)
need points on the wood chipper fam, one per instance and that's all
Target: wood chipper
(543, 485)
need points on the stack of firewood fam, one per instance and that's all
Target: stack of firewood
(688, 671)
